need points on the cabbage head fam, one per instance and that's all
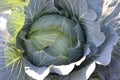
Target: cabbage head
(58, 40)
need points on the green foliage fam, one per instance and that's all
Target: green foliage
(57, 36)
(15, 23)
(12, 4)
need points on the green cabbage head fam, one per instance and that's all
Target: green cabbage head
(61, 39)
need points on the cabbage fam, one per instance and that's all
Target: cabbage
(58, 39)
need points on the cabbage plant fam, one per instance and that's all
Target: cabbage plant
(58, 39)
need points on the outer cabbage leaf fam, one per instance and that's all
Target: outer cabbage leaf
(15, 23)
(111, 19)
(77, 10)
(11, 67)
(106, 48)
(12, 4)
(82, 74)
(41, 72)
(111, 71)
(37, 8)
(96, 5)
(12, 58)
